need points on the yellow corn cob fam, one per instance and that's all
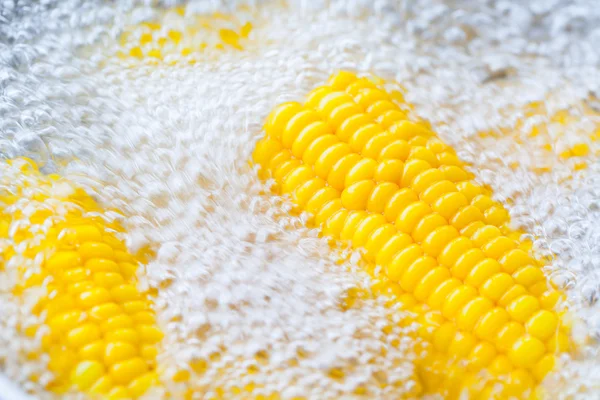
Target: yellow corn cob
(390, 188)
(102, 333)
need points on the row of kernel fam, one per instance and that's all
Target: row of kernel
(326, 198)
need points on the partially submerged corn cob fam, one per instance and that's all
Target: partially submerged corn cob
(100, 332)
(177, 36)
(432, 237)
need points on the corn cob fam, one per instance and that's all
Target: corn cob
(101, 334)
(387, 186)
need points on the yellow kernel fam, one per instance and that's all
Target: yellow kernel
(296, 124)
(523, 307)
(481, 356)
(549, 299)
(356, 196)
(466, 262)
(337, 175)
(108, 279)
(307, 136)
(454, 250)
(90, 250)
(393, 246)
(482, 272)
(315, 96)
(359, 139)
(391, 117)
(438, 239)
(469, 189)
(402, 260)
(141, 384)
(341, 80)
(307, 190)
(104, 311)
(144, 317)
(92, 351)
(285, 168)
(86, 373)
(496, 215)
(413, 168)
(148, 351)
(472, 312)
(119, 392)
(331, 101)
(317, 147)
(365, 228)
(398, 202)
(362, 83)
(515, 259)
(501, 365)
(443, 336)
(341, 113)
(329, 158)
(124, 293)
(470, 229)
(406, 130)
(482, 201)
(331, 207)
(79, 287)
(498, 246)
(448, 204)
(117, 322)
(457, 299)
(544, 366)
(125, 371)
(362, 170)
(485, 234)
(496, 286)
(349, 127)
(63, 260)
(508, 335)
(380, 197)
(82, 335)
(335, 224)
(529, 275)
(65, 321)
(411, 215)
(511, 294)
(437, 189)
(102, 385)
(526, 351)
(320, 198)
(149, 334)
(580, 150)
(396, 150)
(423, 153)
(389, 171)
(416, 271)
(427, 225)
(136, 52)
(122, 335)
(377, 239)
(115, 352)
(453, 173)
(93, 297)
(376, 144)
(431, 281)
(296, 178)
(542, 324)
(368, 96)
(84, 233)
(278, 119)
(438, 296)
(461, 345)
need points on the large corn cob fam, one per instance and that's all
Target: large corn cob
(370, 177)
(100, 331)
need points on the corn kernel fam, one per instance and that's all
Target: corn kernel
(86, 373)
